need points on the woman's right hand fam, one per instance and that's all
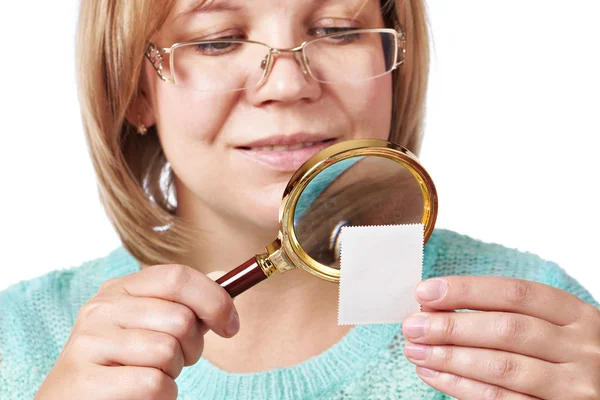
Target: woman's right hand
(133, 338)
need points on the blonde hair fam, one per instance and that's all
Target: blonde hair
(112, 37)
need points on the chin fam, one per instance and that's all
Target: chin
(265, 217)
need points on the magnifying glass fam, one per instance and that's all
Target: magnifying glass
(360, 182)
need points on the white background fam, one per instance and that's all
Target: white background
(511, 139)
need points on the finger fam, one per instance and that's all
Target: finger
(467, 389)
(511, 371)
(133, 383)
(134, 347)
(427, 309)
(182, 284)
(165, 316)
(494, 330)
(214, 275)
(495, 293)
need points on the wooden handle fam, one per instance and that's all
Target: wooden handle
(242, 278)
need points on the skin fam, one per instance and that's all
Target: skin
(531, 340)
(115, 336)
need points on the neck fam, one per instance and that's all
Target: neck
(284, 320)
(223, 243)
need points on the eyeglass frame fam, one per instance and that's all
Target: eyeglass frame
(155, 54)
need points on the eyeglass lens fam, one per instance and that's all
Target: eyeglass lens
(229, 65)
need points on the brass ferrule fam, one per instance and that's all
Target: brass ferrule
(265, 264)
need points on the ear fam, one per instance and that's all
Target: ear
(140, 111)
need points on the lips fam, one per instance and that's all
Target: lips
(286, 152)
(284, 147)
(287, 140)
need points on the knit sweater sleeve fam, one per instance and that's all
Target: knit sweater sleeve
(32, 330)
(458, 254)
(14, 382)
(36, 319)
(556, 276)
(37, 316)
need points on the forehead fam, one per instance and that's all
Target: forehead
(186, 8)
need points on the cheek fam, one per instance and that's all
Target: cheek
(184, 115)
(369, 104)
(189, 125)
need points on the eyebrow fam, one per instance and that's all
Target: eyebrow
(207, 6)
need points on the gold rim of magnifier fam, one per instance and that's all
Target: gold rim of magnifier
(311, 168)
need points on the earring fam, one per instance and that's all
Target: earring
(141, 128)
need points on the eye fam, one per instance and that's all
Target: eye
(218, 46)
(324, 31)
(340, 35)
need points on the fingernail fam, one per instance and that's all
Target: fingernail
(431, 290)
(416, 351)
(429, 373)
(415, 327)
(233, 326)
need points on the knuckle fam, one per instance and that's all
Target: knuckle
(464, 289)
(449, 326)
(155, 383)
(223, 304)
(509, 328)
(79, 342)
(592, 312)
(107, 283)
(456, 382)
(589, 388)
(519, 292)
(590, 393)
(82, 344)
(177, 277)
(446, 354)
(167, 347)
(503, 368)
(184, 321)
(494, 393)
(93, 309)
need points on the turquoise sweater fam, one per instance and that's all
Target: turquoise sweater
(368, 363)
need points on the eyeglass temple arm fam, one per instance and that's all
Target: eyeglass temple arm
(401, 37)
(155, 55)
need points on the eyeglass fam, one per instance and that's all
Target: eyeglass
(234, 64)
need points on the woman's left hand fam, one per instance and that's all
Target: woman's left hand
(533, 341)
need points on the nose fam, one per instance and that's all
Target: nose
(286, 80)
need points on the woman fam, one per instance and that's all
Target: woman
(193, 149)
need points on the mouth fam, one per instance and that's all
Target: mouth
(286, 153)
(283, 147)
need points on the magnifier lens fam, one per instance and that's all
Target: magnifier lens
(357, 191)
(361, 182)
